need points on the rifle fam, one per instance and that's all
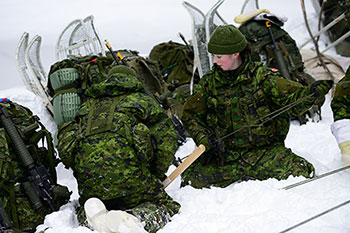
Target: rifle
(283, 68)
(40, 185)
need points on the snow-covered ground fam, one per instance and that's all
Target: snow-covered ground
(253, 206)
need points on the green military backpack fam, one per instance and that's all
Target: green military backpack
(69, 78)
(258, 35)
(146, 70)
(175, 61)
(28, 185)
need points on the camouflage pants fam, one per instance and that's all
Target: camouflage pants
(111, 171)
(275, 161)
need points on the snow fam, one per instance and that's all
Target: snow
(252, 206)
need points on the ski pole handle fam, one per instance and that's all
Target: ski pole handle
(111, 51)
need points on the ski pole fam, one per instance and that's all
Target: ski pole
(184, 40)
(316, 178)
(335, 21)
(316, 216)
(184, 165)
(111, 51)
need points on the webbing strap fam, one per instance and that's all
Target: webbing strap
(42, 134)
(96, 124)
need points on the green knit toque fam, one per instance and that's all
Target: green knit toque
(226, 39)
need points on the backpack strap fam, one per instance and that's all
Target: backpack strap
(96, 124)
(10, 199)
(42, 134)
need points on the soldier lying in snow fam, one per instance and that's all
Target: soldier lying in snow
(119, 146)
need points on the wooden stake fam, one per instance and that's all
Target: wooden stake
(184, 165)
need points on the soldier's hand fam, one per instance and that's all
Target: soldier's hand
(345, 152)
(321, 87)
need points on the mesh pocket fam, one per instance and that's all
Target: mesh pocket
(65, 107)
(63, 77)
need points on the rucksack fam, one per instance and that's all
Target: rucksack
(27, 157)
(146, 70)
(69, 78)
(175, 62)
(261, 43)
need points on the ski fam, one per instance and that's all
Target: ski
(201, 59)
(212, 20)
(30, 68)
(339, 40)
(250, 4)
(184, 165)
(316, 178)
(79, 38)
(36, 71)
(21, 64)
(202, 27)
(325, 28)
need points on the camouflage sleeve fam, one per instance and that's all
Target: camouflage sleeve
(194, 114)
(67, 140)
(285, 93)
(341, 100)
(162, 132)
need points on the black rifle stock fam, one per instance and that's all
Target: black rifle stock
(40, 185)
(283, 68)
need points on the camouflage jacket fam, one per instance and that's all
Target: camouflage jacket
(243, 103)
(119, 108)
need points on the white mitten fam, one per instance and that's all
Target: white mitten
(96, 212)
(123, 222)
(114, 221)
(341, 131)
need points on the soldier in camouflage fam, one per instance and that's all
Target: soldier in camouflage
(341, 113)
(15, 198)
(124, 144)
(240, 111)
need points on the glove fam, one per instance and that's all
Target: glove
(215, 151)
(321, 87)
(341, 131)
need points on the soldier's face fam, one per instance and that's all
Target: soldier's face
(227, 61)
